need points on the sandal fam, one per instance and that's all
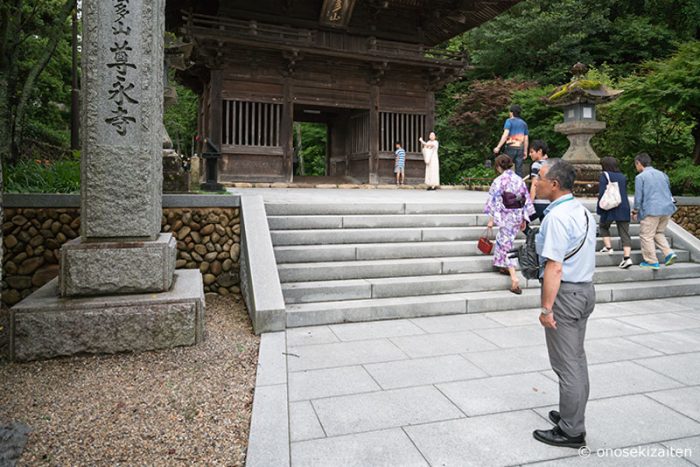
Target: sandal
(516, 291)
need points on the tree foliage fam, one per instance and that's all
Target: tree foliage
(314, 138)
(180, 118)
(541, 39)
(34, 88)
(649, 49)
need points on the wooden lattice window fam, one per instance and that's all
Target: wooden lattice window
(402, 127)
(251, 123)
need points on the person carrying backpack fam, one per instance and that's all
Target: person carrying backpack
(566, 245)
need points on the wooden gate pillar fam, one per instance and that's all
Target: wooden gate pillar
(374, 131)
(286, 130)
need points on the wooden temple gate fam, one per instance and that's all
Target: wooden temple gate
(365, 69)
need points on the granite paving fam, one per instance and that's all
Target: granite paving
(465, 390)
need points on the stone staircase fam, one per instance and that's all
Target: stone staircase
(360, 262)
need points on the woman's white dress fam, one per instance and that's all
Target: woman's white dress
(432, 164)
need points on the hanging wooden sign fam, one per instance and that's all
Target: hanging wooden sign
(337, 13)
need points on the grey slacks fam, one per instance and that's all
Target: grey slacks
(572, 307)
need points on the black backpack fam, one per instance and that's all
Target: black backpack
(527, 253)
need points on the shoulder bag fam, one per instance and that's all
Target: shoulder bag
(611, 198)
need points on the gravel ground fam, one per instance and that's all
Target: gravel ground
(185, 406)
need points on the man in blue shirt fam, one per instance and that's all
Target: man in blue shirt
(515, 137)
(566, 247)
(653, 205)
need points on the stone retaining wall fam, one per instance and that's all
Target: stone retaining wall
(208, 239)
(688, 217)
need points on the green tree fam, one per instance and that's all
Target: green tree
(30, 33)
(668, 89)
(314, 138)
(541, 39)
(180, 118)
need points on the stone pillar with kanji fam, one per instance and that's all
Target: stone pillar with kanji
(117, 288)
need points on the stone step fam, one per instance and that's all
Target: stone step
(368, 269)
(331, 312)
(376, 221)
(383, 235)
(415, 249)
(370, 221)
(306, 209)
(305, 292)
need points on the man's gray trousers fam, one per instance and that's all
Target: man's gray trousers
(572, 307)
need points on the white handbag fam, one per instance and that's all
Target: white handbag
(427, 154)
(611, 198)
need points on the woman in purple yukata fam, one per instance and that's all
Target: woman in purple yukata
(509, 207)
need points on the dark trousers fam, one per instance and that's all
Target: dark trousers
(572, 307)
(517, 155)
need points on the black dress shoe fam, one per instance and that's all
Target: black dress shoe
(556, 437)
(554, 417)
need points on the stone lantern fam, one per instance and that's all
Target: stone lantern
(578, 100)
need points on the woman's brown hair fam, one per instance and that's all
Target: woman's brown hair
(504, 162)
(609, 164)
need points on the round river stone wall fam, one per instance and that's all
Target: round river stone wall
(688, 217)
(208, 239)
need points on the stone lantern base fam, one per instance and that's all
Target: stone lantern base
(582, 155)
(587, 176)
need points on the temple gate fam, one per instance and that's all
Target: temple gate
(368, 70)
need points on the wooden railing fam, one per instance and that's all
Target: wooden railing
(328, 40)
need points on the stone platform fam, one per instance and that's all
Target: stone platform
(468, 390)
(45, 325)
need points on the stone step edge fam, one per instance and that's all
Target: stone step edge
(372, 262)
(430, 228)
(518, 241)
(321, 313)
(472, 275)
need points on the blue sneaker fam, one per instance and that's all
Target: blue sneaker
(670, 258)
(645, 265)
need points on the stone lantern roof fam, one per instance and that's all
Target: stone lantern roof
(581, 91)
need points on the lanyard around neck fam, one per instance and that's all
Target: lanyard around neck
(560, 201)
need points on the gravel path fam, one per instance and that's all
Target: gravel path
(186, 406)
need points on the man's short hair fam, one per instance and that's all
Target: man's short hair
(562, 171)
(398, 142)
(515, 108)
(539, 145)
(643, 158)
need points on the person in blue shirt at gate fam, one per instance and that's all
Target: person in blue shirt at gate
(566, 247)
(515, 138)
(653, 205)
(400, 164)
(620, 214)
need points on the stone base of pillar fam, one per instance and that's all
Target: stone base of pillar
(112, 268)
(45, 325)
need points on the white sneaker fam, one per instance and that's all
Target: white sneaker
(625, 263)
(607, 250)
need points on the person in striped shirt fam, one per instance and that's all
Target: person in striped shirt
(400, 164)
